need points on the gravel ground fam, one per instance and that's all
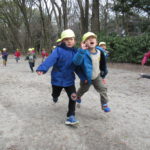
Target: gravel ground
(30, 121)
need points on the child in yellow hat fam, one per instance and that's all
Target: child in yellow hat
(93, 63)
(62, 75)
(4, 56)
(31, 59)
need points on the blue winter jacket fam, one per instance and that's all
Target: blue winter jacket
(83, 59)
(63, 70)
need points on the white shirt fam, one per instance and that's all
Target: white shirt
(95, 64)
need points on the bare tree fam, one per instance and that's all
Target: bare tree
(11, 21)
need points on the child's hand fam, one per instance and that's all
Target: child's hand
(39, 72)
(104, 81)
(83, 45)
(85, 81)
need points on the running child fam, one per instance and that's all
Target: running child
(17, 55)
(44, 54)
(93, 63)
(31, 59)
(62, 75)
(4, 56)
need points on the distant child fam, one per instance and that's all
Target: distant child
(4, 56)
(33, 50)
(93, 63)
(31, 58)
(145, 58)
(44, 54)
(62, 75)
(17, 55)
(102, 47)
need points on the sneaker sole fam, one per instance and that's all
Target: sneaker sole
(71, 123)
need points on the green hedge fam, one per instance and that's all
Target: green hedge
(126, 49)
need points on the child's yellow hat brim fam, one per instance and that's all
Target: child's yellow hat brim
(87, 35)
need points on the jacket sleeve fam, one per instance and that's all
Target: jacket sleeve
(80, 73)
(79, 56)
(49, 62)
(103, 65)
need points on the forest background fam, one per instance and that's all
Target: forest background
(123, 24)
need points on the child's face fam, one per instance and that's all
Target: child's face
(103, 46)
(69, 42)
(91, 42)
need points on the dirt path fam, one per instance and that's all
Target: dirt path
(29, 121)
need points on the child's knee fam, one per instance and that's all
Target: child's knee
(74, 96)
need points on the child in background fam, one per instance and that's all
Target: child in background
(33, 50)
(102, 47)
(62, 75)
(93, 63)
(31, 58)
(44, 54)
(4, 56)
(17, 55)
(146, 56)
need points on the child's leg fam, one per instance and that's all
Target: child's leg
(56, 90)
(31, 66)
(71, 92)
(84, 87)
(4, 62)
(101, 89)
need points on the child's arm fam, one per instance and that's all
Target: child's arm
(78, 58)
(49, 62)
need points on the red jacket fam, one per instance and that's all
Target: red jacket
(44, 54)
(146, 56)
(17, 54)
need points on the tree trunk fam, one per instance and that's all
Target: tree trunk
(84, 15)
(64, 7)
(95, 23)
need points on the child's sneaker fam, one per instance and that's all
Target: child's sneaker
(106, 108)
(78, 102)
(55, 100)
(71, 120)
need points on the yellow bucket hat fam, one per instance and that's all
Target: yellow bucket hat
(4, 49)
(30, 49)
(67, 34)
(102, 43)
(87, 35)
(58, 40)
